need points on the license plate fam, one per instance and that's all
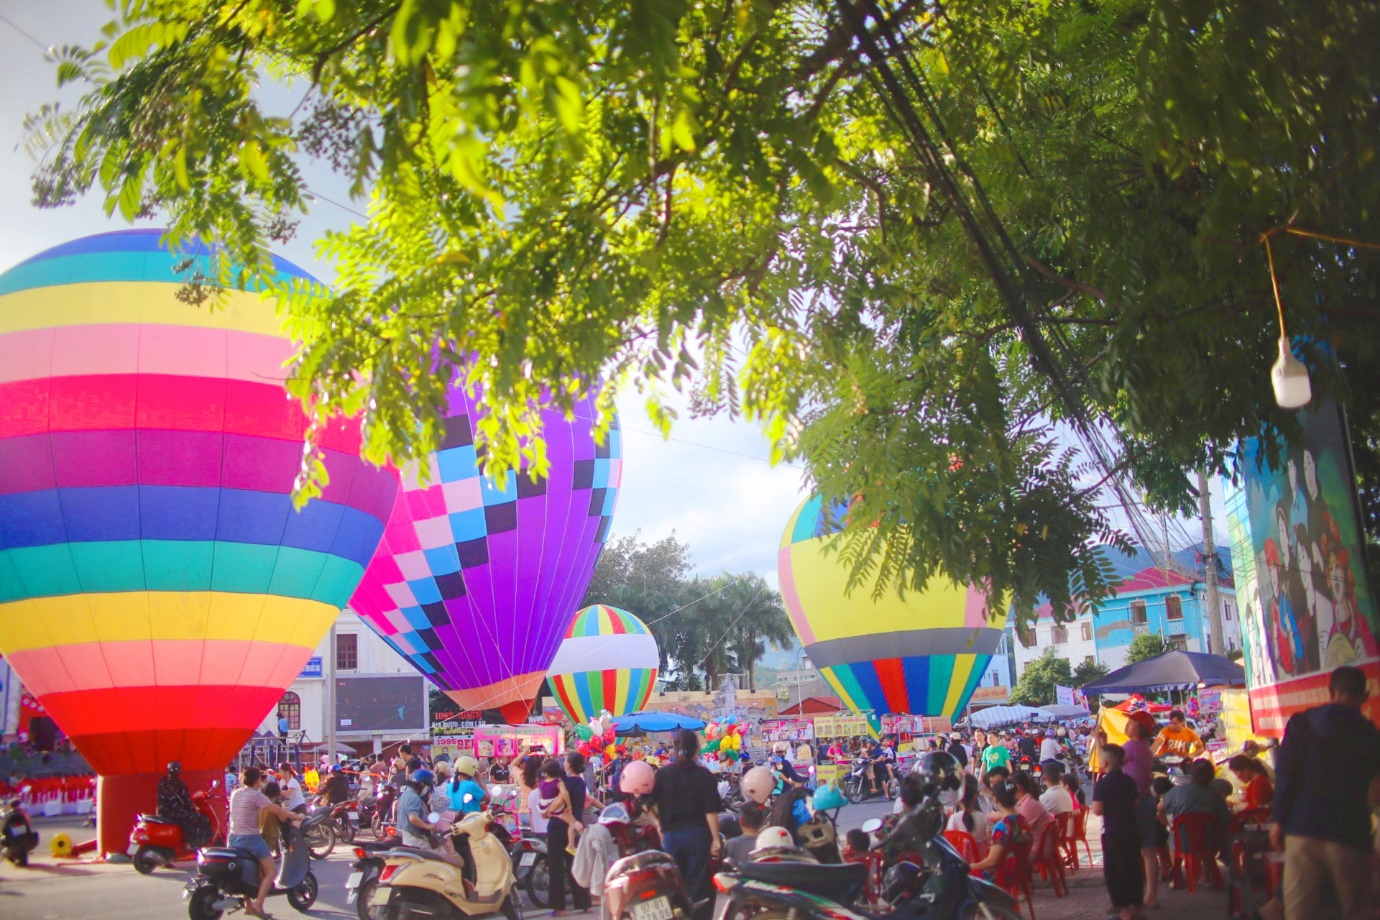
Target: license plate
(354, 879)
(381, 896)
(655, 909)
(527, 859)
(133, 848)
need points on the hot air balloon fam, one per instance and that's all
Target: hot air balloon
(475, 578)
(158, 591)
(608, 660)
(922, 654)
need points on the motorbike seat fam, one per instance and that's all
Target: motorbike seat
(229, 853)
(156, 819)
(839, 883)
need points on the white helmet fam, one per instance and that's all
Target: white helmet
(758, 784)
(774, 837)
(467, 764)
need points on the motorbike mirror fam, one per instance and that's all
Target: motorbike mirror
(872, 825)
(433, 818)
(495, 790)
(215, 784)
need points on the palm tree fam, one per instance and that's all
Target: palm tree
(761, 620)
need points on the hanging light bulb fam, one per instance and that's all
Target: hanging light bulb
(1290, 378)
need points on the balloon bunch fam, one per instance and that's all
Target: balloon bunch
(597, 737)
(724, 738)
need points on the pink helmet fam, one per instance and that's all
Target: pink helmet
(637, 778)
(758, 784)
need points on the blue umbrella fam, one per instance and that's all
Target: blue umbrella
(642, 723)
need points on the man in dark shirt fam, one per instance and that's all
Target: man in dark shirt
(1114, 798)
(687, 809)
(336, 789)
(1326, 771)
(1028, 746)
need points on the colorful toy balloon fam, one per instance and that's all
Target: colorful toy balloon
(158, 591)
(607, 661)
(921, 654)
(474, 580)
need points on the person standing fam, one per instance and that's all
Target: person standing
(293, 799)
(1139, 764)
(687, 808)
(1326, 771)
(1115, 798)
(957, 749)
(1178, 739)
(995, 755)
(565, 813)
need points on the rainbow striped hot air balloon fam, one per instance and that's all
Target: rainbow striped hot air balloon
(158, 592)
(922, 654)
(607, 661)
(474, 579)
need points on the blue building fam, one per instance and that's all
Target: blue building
(1152, 596)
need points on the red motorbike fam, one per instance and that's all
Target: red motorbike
(157, 841)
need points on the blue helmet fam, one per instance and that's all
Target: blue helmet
(826, 797)
(336, 768)
(423, 777)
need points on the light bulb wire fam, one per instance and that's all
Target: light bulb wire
(1274, 283)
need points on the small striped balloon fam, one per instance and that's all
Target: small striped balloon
(608, 660)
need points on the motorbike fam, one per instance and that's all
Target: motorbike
(646, 886)
(418, 883)
(344, 820)
(226, 878)
(925, 879)
(530, 868)
(158, 842)
(319, 831)
(857, 785)
(382, 814)
(17, 835)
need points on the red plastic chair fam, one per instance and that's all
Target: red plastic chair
(1075, 833)
(1047, 858)
(1193, 851)
(966, 845)
(1023, 882)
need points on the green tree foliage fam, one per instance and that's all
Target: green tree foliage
(1035, 686)
(1088, 671)
(1146, 645)
(910, 239)
(704, 627)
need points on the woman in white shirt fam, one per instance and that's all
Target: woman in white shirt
(968, 817)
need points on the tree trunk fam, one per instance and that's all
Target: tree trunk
(752, 677)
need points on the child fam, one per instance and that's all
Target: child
(855, 846)
(750, 818)
(999, 865)
(268, 824)
(1075, 789)
(1114, 798)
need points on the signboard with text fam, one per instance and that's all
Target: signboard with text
(312, 668)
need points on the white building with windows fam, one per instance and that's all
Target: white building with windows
(358, 653)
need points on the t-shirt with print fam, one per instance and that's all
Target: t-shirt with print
(245, 805)
(1007, 833)
(1178, 741)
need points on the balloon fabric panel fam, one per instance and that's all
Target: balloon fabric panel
(158, 591)
(607, 661)
(474, 579)
(922, 653)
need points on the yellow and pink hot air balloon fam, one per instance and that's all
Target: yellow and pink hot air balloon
(922, 654)
(158, 591)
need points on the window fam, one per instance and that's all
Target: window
(346, 652)
(1028, 637)
(1173, 607)
(1088, 659)
(1138, 613)
(290, 708)
(1058, 635)
(1086, 630)
(1226, 611)
(1178, 643)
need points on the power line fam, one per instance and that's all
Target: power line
(38, 44)
(722, 450)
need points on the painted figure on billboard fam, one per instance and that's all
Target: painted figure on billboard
(1296, 545)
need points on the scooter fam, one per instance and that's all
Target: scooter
(382, 815)
(646, 886)
(158, 842)
(857, 785)
(17, 835)
(422, 883)
(228, 878)
(531, 869)
(926, 879)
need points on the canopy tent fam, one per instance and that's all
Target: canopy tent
(642, 723)
(997, 716)
(1066, 711)
(1137, 703)
(1171, 671)
(813, 706)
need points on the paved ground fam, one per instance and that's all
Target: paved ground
(53, 889)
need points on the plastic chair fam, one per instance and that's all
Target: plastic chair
(965, 843)
(1075, 833)
(1047, 859)
(1023, 882)
(1068, 845)
(1192, 850)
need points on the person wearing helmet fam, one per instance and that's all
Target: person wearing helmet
(1050, 750)
(413, 826)
(465, 795)
(175, 804)
(336, 789)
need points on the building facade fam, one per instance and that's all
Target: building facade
(1152, 597)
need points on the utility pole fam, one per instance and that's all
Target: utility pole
(331, 720)
(1215, 638)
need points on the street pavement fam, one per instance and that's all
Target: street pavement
(63, 889)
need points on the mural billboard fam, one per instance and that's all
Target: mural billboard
(1306, 607)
